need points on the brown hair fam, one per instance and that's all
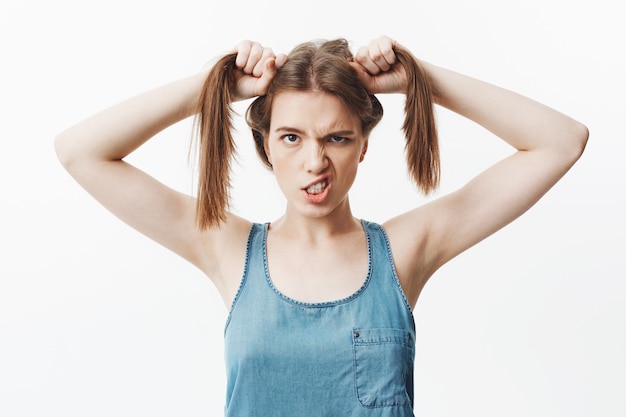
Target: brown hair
(420, 129)
(321, 66)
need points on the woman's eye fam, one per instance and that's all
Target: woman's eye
(290, 139)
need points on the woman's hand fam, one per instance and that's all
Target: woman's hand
(256, 66)
(378, 68)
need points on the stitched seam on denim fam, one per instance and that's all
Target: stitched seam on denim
(323, 304)
(393, 403)
(393, 269)
(407, 337)
(244, 276)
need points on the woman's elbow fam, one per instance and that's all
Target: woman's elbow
(571, 142)
(66, 149)
(578, 139)
(61, 148)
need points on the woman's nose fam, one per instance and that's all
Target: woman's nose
(316, 158)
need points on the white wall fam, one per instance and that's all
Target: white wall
(97, 320)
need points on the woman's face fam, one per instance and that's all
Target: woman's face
(315, 145)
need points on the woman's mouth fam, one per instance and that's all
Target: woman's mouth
(317, 193)
(317, 188)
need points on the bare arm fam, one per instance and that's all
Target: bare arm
(548, 143)
(93, 152)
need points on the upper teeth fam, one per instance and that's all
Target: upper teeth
(316, 188)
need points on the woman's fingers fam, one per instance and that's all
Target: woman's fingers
(260, 65)
(378, 56)
(256, 66)
(251, 57)
(243, 51)
(377, 67)
(266, 76)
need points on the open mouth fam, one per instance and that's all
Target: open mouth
(317, 188)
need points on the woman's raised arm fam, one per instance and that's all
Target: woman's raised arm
(93, 152)
(547, 144)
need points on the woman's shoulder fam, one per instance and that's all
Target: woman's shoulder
(221, 252)
(407, 235)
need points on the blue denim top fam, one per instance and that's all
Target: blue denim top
(350, 357)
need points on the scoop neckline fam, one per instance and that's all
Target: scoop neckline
(318, 304)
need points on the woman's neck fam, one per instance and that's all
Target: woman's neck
(295, 224)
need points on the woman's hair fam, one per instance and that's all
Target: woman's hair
(312, 66)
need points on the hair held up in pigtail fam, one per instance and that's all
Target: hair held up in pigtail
(420, 129)
(321, 66)
(216, 147)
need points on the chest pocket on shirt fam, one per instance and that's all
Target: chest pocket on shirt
(383, 366)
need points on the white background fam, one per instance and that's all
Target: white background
(96, 320)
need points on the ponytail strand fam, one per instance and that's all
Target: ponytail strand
(216, 147)
(420, 129)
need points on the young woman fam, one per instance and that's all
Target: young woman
(320, 302)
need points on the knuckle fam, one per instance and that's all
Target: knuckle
(360, 57)
(376, 56)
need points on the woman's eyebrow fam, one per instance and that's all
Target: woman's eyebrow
(299, 131)
(288, 129)
(343, 133)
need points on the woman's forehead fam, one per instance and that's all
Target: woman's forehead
(311, 107)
